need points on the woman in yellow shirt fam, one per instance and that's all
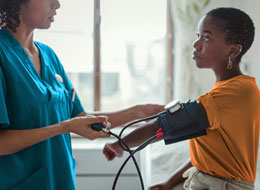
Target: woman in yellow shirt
(226, 157)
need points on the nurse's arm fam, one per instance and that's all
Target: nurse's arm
(124, 116)
(12, 141)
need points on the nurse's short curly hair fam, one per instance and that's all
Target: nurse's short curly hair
(237, 25)
(9, 13)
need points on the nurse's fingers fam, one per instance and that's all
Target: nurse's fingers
(98, 119)
(100, 134)
(93, 134)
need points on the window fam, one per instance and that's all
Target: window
(132, 50)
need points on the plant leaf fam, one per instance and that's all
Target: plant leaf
(206, 3)
(195, 7)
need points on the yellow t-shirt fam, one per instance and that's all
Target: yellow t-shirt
(230, 147)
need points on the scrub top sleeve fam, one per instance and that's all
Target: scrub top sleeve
(4, 120)
(77, 107)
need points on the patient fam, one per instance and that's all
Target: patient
(223, 154)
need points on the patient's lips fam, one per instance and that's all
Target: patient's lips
(195, 55)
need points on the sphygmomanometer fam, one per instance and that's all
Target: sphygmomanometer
(179, 121)
(183, 121)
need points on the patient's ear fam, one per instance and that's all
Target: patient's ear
(236, 49)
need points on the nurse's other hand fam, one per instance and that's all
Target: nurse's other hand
(112, 150)
(146, 110)
(82, 126)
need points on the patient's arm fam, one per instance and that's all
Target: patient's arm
(135, 138)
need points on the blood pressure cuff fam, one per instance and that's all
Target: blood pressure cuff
(188, 122)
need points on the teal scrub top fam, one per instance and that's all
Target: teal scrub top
(28, 101)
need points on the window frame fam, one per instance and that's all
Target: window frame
(97, 55)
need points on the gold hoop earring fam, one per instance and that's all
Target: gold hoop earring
(229, 65)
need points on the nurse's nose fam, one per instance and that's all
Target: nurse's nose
(56, 4)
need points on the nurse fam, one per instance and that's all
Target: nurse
(38, 105)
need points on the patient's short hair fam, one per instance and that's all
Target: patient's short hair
(237, 25)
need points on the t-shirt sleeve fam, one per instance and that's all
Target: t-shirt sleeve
(223, 103)
(4, 120)
(209, 102)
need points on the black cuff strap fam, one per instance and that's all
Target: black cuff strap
(188, 122)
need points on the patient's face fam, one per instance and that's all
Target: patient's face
(211, 49)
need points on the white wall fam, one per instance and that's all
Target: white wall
(253, 55)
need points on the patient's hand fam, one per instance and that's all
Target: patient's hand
(112, 150)
(163, 186)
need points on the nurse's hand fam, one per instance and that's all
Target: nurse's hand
(146, 110)
(82, 126)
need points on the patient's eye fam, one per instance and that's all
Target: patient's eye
(206, 38)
